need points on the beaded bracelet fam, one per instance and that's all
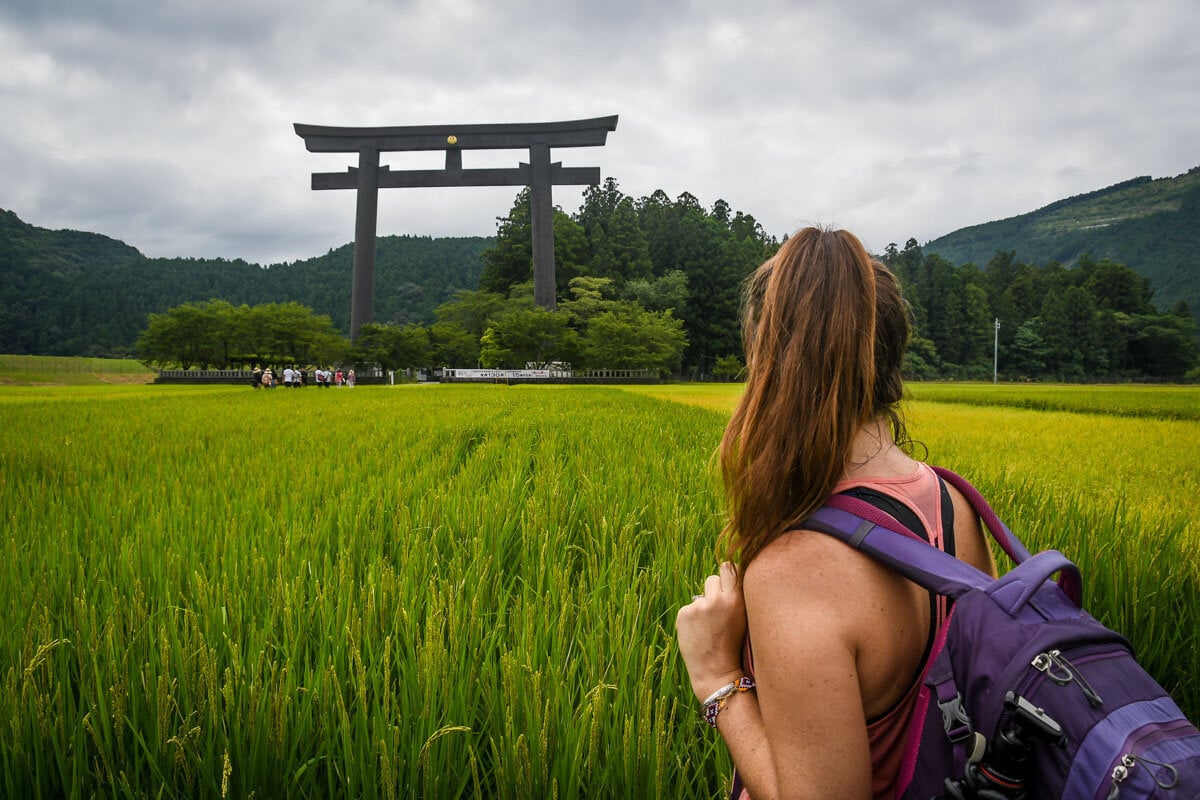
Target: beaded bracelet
(717, 700)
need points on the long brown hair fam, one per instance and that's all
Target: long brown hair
(825, 329)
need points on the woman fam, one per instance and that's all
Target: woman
(834, 641)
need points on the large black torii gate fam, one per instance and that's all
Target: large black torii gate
(539, 174)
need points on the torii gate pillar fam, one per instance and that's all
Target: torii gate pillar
(539, 174)
(541, 217)
(366, 216)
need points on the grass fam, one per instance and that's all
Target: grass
(1122, 400)
(1137, 457)
(1144, 467)
(370, 594)
(452, 591)
(720, 397)
(72, 371)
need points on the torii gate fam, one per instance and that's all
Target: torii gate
(539, 174)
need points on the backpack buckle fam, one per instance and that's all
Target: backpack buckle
(955, 720)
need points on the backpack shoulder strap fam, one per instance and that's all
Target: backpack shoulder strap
(1069, 579)
(866, 528)
(1007, 540)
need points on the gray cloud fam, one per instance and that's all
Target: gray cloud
(168, 125)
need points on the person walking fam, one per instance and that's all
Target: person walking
(807, 654)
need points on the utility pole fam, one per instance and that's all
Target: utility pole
(996, 351)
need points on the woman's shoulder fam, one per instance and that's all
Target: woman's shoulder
(809, 571)
(798, 552)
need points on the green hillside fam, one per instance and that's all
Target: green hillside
(1153, 226)
(73, 293)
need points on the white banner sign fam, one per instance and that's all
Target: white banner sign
(500, 373)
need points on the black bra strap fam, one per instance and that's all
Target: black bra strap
(907, 517)
(947, 519)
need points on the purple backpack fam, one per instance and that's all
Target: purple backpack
(1024, 695)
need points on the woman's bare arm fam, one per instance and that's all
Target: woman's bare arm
(803, 597)
(802, 733)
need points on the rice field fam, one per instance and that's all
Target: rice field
(72, 371)
(453, 591)
(1125, 400)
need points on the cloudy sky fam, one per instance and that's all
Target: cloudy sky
(168, 123)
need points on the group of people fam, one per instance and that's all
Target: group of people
(295, 378)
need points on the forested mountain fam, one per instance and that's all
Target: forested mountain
(73, 293)
(1152, 226)
(413, 276)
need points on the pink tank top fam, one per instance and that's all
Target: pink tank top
(921, 492)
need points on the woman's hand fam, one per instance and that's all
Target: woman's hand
(711, 631)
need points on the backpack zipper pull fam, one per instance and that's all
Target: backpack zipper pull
(1062, 672)
(1131, 760)
(1119, 774)
(1046, 663)
(1128, 762)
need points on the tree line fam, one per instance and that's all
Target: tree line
(654, 284)
(649, 284)
(476, 328)
(1095, 321)
(633, 267)
(216, 334)
(642, 283)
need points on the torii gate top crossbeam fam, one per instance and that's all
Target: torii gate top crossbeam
(501, 136)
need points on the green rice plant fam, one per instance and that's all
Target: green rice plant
(1143, 467)
(72, 370)
(418, 592)
(1125, 400)
(454, 591)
